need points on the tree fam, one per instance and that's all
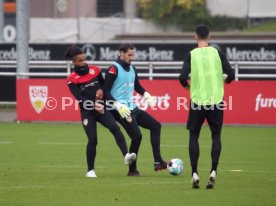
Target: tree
(170, 12)
(186, 14)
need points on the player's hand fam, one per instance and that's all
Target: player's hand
(225, 77)
(187, 87)
(99, 94)
(122, 109)
(99, 107)
(149, 99)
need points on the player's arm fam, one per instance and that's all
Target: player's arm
(226, 67)
(110, 77)
(75, 90)
(185, 71)
(137, 86)
(140, 89)
(101, 80)
(99, 92)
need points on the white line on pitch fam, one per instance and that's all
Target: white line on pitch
(181, 145)
(176, 145)
(6, 142)
(247, 171)
(68, 166)
(22, 187)
(61, 143)
(60, 166)
(235, 170)
(150, 183)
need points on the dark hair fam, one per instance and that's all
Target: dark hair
(125, 47)
(202, 32)
(72, 51)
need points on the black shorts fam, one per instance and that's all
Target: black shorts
(90, 119)
(138, 118)
(198, 113)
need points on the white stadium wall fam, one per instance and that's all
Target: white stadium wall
(243, 8)
(88, 29)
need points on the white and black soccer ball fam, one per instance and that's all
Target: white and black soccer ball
(175, 166)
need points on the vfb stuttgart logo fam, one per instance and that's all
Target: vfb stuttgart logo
(38, 96)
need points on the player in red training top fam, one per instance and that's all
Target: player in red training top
(85, 83)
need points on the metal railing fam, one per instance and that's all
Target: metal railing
(149, 70)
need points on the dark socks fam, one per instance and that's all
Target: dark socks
(194, 150)
(216, 149)
(90, 155)
(134, 147)
(120, 140)
(155, 142)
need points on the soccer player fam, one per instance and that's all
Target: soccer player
(120, 82)
(85, 83)
(206, 66)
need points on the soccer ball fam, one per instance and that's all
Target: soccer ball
(175, 166)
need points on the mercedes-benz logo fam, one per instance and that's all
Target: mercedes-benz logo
(89, 51)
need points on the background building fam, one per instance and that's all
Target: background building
(102, 20)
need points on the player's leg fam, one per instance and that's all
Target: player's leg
(195, 120)
(215, 121)
(108, 121)
(90, 127)
(145, 120)
(194, 149)
(194, 155)
(135, 134)
(216, 149)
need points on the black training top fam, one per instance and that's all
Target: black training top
(85, 87)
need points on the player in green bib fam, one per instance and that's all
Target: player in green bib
(208, 69)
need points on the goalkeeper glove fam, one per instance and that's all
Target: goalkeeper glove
(149, 99)
(122, 109)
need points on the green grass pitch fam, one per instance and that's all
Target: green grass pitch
(44, 164)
